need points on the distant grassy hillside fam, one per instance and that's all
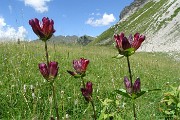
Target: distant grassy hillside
(19, 74)
(149, 19)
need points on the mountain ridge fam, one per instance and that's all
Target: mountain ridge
(70, 39)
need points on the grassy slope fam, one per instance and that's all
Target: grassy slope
(144, 20)
(19, 67)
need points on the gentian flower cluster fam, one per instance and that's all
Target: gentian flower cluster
(43, 30)
(136, 88)
(127, 46)
(80, 67)
(49, 71)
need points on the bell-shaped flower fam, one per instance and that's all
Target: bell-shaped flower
(136, 88)
(80, 67)
(53, 69)
(128, 46)
(44, 70)
(87, 92)
(49, 71)
(43, 30)
(127, 84)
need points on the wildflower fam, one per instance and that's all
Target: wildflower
(128, 46)
(53, 69)
(80, 67)
(136, 88)
(127, 84)
(50, 71)
(87, 92)
(45, 30)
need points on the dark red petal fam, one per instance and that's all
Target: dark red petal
(137, 43)
(118, 41)
(121, 36)
(125, 43)
(84, 92)
(136, 36)
(142, 38)
(127, 84)
(137, 86)
(89, 87)
(31, 22)
(44, 70)
(115, 36)
(84, 63)
(53, 69)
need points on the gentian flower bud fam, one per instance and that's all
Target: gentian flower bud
(127, 84)
(44, 70)
(53, 69)
(45, 30)
(137, 86)
(87, 92)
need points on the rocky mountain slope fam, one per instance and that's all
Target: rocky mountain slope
(159, 20)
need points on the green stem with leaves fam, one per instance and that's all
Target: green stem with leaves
(130, 75)
(52, 84)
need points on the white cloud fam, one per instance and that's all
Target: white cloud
(2, 23)
(39, 5)
(8, 33)
(104, 21)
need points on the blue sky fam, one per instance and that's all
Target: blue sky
(71, 17)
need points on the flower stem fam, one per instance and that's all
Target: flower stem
(129, 68)
(84, 86)
(92, 103)
(47, 56)
(134, 110)
(130, 75)
(55, 101)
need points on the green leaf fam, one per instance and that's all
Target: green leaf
(143, 92)
(77, 76)
(123, 93)
(83, 75)
(139, 94)
(119, 56)
(154, 90)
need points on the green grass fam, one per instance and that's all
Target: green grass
(19, 68)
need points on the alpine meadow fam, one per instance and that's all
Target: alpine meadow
(129, 72)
